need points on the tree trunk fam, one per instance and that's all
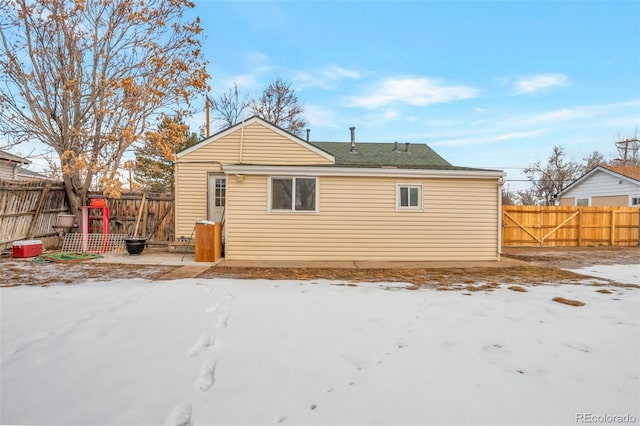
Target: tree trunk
(74, 198)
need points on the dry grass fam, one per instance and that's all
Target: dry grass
(473, 279)
(18, 272)
(603, 291)
(482, 287)
(569, 302)
(23, 272)
(517, 288)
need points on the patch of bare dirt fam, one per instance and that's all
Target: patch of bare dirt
(544, 269)
(575, 257)
(471, 279)
(14, 272)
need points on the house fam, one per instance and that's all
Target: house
(604, 186)
(280, 197)
(11, 165)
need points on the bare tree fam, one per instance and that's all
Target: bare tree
(87, 77)
(548, 180)
(508, 196)
(526, 197)
(279, 105)
(229, 107)
(594, 159)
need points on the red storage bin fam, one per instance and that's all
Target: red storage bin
(27, 248)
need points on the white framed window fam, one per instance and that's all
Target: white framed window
(634, 201)
(220, 191)
(584, 202)
(408, 196)
(293, 194)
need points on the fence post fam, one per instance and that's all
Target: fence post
(613, 226)
(38, 212)
(579, 227)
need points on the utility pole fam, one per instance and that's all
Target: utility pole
(628, 149)
(207, 107)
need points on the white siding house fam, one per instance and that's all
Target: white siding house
(604, 186)
(11, 165)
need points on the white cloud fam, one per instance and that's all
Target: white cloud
(319, 116)
(245, 82)
(618, 110)
(533, 84)
(391, 114)
(415, 91)
(258, 61)
(326, 77)
(485, 139)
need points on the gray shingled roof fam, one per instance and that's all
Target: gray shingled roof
(375, 155)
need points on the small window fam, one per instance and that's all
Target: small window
(635, 201)
(409, 197)
(294, 194)
(220, 191)
(584, 202)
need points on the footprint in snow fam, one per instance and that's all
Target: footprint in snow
(211, 309)
(206, 378)
(222, 320)
(180, 416)
(204, 341)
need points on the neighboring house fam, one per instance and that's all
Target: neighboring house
(11, 165)
(604, 186)
(283, 198)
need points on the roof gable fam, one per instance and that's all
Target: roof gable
(632, 172)
(609, 170)
(255, 119)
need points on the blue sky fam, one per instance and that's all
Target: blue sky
(486, 84)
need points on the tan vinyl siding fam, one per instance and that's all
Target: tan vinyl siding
(358, 220)
(260, 145)
(191, 195)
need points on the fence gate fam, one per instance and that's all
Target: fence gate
(570, 226)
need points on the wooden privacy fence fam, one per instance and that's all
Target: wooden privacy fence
(30, 209)
(570, 226)
(152, 212)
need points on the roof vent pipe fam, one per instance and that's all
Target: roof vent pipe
(308, 131)
(407, 149)
(353, 139)
(395, 146)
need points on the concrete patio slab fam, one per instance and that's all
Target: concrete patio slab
(163, 257)
(186, 271)
(390, 264)
(154, 257)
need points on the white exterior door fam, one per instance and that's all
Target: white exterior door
(217, 192)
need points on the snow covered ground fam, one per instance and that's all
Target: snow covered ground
(224, 351)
